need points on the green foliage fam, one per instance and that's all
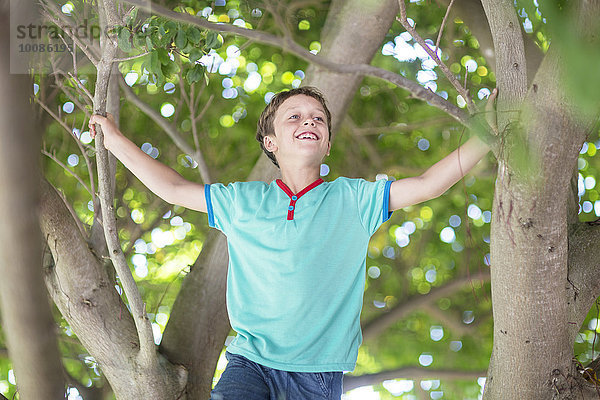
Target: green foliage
(386, 132)
(171, 46)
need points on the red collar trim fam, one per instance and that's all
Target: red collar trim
(289, 192)
(294, 197)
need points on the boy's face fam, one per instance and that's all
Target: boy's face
(301, 131)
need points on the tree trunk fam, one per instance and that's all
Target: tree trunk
(533, 297)
(86, 297)
(26, 316)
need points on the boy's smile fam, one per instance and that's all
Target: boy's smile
(301, 132)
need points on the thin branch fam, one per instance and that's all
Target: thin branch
(374, 157)
(81, 86)
(403, 127)
(50, 10)
(202, 166)
(138, 230)
(377, 325)
(205, 108)
(70, 131)
(411, 373)
(439, 38)
(107, 14)
(169, 129)
(417, 91)
(56, 72)
(132, 57)
(274, 11)
(433, 54)
(56, 160)
(77, 141)
(449, 320)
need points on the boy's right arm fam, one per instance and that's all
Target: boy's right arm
(164, 181)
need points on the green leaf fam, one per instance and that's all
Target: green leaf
(194, 74)
(154, 61)
(195, 55)
(180, 39)
(139, 41)
(188, 47)
(194, 35)
(131, 17)
(163, 56)
(212, 40)
(149, 44)
(123, 40)
(171, 27)
(170, 69)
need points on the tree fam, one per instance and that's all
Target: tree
(545, 115)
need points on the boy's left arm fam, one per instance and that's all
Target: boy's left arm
(445, 173)
(439, 177)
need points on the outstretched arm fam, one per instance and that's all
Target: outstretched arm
(439, 177)
(445, 173)
(164, 181)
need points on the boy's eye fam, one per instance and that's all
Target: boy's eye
(319, 119)
(294, 116)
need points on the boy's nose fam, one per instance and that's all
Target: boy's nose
(309, 122)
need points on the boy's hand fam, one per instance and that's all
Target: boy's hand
(108, 125)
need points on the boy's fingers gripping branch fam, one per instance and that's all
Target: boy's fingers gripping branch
(109, 128)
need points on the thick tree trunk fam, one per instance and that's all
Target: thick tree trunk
(85, 295)
(26, 316)
(195, 334)
(533, 297)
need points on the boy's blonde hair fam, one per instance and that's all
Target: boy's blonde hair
(265, 122)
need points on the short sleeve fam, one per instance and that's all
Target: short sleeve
(373, 203)
(220, 205)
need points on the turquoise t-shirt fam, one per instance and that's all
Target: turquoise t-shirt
(297, 268)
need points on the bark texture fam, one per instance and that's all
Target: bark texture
(86, 297)
(26, 317)
(534, 328)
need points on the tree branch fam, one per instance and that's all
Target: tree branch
(168, 128)
(433, 54)
(403, 127)
(449, 320)
(61, 164)
(361, 140)
(376, 326)
(83, 292)
(108, 17)
(439, 38)
(511, 66)
(410, 373)
(289, 46)
(88, 49)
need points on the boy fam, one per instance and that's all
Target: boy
(297, 248)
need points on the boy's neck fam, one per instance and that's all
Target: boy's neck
(298, 179)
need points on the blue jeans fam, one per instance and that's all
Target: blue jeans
(246, 380)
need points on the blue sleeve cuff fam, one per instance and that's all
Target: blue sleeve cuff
(386, 202)
(209, 208)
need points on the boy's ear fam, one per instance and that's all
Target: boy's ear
(269, 143)
(328, 147)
